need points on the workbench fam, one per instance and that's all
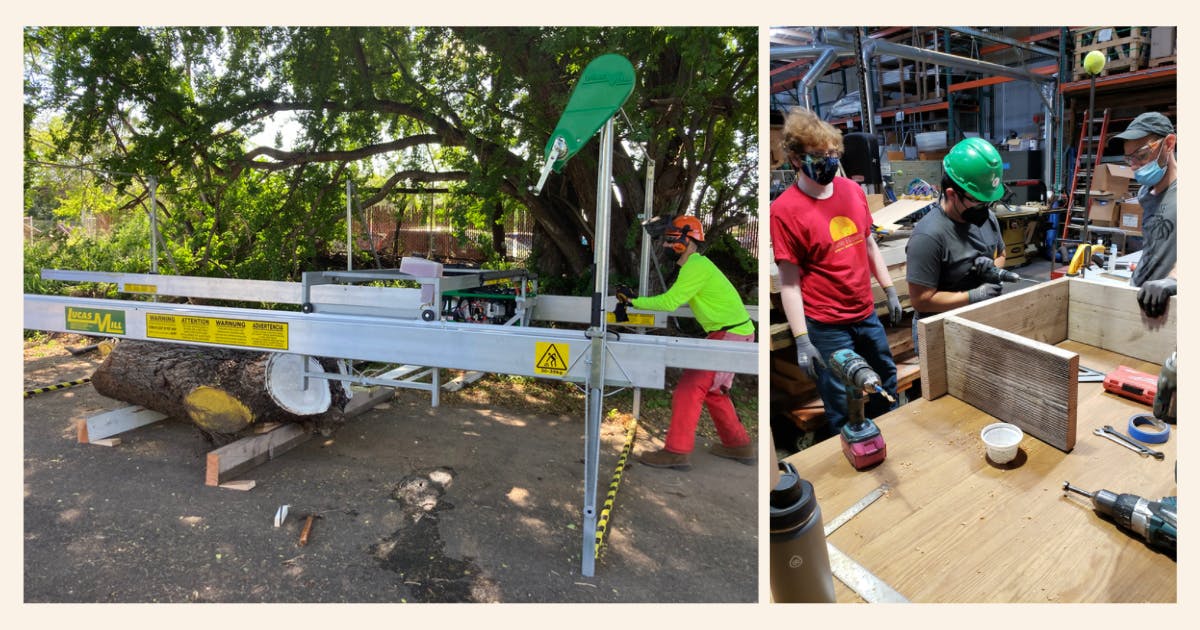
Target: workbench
(954, 527)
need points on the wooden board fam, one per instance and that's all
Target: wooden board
(1038, 312)
(954, 528)
(1107, 316)
(1014, 379)
(235, 458)
(115, 422)
(897, 210)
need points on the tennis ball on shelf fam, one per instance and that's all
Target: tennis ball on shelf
(1094, 62)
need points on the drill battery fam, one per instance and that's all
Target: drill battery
(863, 444)
(1132, 384)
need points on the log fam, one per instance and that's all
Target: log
(220, 390)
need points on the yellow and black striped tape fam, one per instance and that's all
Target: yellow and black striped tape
(43, 390)
(614, 485)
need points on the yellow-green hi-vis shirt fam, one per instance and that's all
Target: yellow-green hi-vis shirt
(714, 301)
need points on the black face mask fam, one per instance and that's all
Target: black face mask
(976, 215)
(821, 171)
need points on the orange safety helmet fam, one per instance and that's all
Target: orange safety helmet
(681, 229)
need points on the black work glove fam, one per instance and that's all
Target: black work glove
(895, 311)
(625, 294)
(807, 356)
(983, 292)
(1154, 294)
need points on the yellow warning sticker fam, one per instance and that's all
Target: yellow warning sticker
(551, 359)
(230, 332)
(635, 319)
(141, 288)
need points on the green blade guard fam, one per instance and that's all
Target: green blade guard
(603, 87)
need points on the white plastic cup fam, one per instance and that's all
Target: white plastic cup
(1002, 440)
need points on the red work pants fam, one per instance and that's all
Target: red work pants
(695, 389)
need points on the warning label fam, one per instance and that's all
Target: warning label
(635, 319)
(551, 359)
(229, 332)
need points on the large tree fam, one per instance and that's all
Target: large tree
(396, 111)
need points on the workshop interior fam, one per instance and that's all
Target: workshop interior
(1020, 262)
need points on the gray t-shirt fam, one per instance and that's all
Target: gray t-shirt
(1158, 228)
(941, 250)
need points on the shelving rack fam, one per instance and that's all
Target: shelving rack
(924, 79)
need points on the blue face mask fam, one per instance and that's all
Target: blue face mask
(1151, 172)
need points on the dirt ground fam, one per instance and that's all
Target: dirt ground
(468, 502)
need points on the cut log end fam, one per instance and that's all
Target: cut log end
(217, 410)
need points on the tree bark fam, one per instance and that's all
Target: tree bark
(220, 390)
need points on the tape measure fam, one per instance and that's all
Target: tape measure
(42, 390)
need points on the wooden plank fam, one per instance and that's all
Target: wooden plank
(955, 528)
(232, 459)
(1027, 383)
(114, 422)
(1038, 312)
(897, 210)
(462, 380)
(1107, 316)
(364, 400)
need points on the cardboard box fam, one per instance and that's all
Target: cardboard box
(1130, 215)
(1103, 211)
(896, 156)
(1112, 178)
(1162, 41)
(875, 202)
(932, 155)
(777, 157)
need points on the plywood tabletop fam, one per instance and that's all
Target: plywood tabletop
(956, 528)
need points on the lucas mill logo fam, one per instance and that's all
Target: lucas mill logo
(96, 320)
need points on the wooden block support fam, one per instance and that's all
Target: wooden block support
(1017, 380)
(1039, 313)
(1108, 316)
(246, 453)
(110, 423)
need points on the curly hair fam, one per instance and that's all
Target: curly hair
(803, 130)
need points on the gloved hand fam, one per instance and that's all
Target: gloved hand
(625, 294)
(983, 292)
(981, 264)
(807, 356)
(895, 311)
(1154, 294)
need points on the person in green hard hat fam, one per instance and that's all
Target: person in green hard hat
(955, 242)
(719, 310)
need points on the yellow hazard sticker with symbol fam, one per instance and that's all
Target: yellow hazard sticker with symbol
(551, 358)
(635, 319)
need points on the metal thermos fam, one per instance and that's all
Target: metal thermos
(800, 569)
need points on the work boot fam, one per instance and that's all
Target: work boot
(743, 454)
(663, 458)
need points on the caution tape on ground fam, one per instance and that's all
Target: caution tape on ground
(614, 485)
(42, 390)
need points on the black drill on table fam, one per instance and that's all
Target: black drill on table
(1153, 521)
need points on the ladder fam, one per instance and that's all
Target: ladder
(1076, 218)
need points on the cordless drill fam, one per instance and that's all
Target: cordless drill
(862, 443)
(985, 269)
(1154, 522)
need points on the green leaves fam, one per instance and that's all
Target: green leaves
(181, 104)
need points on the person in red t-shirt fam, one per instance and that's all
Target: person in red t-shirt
(821, 235)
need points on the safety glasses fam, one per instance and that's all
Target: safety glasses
(1142, 155)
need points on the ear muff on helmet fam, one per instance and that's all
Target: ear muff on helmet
(681, 229)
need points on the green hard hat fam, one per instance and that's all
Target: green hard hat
(975, 165)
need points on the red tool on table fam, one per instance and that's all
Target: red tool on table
(1132, 384)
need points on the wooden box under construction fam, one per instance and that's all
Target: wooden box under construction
(1000, 356)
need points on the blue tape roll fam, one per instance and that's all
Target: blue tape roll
(1144, 419)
